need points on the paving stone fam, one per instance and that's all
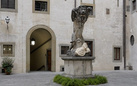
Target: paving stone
(115, 78)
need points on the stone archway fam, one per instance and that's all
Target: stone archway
(53, 46)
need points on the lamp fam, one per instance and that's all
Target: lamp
(7, 21)
(32, 42)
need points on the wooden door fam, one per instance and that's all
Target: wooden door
(49, 59)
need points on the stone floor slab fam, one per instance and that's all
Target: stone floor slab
(115, 78)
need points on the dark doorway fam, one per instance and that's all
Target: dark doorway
(40, 42)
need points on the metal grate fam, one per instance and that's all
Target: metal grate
(116, 68)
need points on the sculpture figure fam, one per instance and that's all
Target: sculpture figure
(78, 64)
(79, 16)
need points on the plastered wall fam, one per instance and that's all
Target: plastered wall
(105, 29)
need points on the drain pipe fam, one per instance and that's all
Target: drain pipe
(75, 3)
(124, 33)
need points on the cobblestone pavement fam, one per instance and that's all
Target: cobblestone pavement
(115, 78)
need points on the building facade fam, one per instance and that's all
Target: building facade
(48, 23)
(131, 27)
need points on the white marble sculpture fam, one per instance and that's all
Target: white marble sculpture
(82, 50)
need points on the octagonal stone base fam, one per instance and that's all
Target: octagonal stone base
(78, 67)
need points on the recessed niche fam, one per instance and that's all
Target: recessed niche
(132, 39)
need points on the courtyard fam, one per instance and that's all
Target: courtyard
(115, 78)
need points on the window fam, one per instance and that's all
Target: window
(117, 53)
(133, 5)
(41, 6)
(107, 11)
(8, 49)
(8, 5)
(90, 46)
(132, 40)
(91, 12)
(64, 49)
(89, 3)
(117, 68)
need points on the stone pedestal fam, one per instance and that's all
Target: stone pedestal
(78, 67)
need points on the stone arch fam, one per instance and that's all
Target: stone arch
(53, 46)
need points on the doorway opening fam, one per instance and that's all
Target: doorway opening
(44, 30)
(40, 50)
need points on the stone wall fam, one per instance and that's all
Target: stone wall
(131, 30)
(105, 29)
